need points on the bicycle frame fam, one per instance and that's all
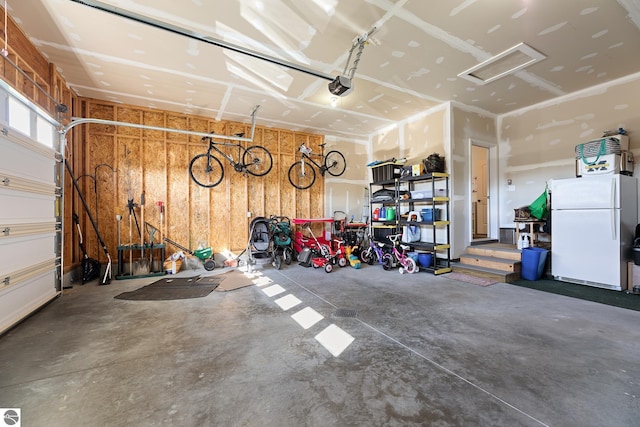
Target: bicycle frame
(401, 257)
(377, 248)
(306, 154)
(302, 178)
(214, 146)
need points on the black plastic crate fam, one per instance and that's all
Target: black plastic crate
(385, 171)
(380, 234)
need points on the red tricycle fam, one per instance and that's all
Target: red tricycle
(326, 256)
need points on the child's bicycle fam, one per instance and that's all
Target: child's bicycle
(407, 264)
(375, 252)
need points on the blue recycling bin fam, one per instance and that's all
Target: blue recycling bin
(533, 262)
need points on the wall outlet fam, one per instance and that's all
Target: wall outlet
(248, 214)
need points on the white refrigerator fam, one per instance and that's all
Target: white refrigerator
(593, 221)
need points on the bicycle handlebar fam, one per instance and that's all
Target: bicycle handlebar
(394, 237)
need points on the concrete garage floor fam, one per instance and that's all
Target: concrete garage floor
(425, 350)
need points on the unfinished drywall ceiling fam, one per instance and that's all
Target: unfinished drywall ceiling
(410, 64)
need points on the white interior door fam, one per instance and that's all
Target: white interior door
(483, 201)
(480, 191)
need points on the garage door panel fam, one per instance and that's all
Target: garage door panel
(19, 300)
(20, 160)
(20, 252)
(22, 207)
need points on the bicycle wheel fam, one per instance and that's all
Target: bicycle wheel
(367, 255)
(387, 261)
(335, 163)
(411, 266)
(299, 179)
(206, 170)
(257, 160)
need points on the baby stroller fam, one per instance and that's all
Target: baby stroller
(260, 247)
(280, 228)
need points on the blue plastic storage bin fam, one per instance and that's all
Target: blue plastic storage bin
(425, 259)
(430, 214)
(533, 262)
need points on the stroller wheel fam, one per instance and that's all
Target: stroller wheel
(288, 255)
(277, 262)
(209, 264)
(328, 267)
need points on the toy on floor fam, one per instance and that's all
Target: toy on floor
(354, 261)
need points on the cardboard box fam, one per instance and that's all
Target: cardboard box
(633, 275)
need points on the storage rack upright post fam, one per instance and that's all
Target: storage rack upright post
(384, 176)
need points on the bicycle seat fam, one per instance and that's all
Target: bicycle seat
(322, 145)
(304, 149)
(405, 247)
(239, 135)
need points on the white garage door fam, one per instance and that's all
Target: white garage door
(30, 208)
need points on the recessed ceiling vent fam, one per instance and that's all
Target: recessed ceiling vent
(503, 64)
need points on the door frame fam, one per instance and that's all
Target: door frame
(492, 188)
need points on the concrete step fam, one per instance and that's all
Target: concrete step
(501, 264)
(505, 252)
(488, 273)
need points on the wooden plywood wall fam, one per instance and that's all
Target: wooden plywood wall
(127, 161)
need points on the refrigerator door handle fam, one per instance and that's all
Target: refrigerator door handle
(613, 224)
(612, 204)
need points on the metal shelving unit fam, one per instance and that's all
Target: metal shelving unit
(413, 193)
(436, 239)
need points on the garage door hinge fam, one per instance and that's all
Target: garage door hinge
(5, 131)
(6, 281)
(6, 181)
(6, 231)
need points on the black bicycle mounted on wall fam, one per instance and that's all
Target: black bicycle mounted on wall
(302, 173)
(206, 170)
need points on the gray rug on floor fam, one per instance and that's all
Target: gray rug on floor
(174, 288)
(467, 278)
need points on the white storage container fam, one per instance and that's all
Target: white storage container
(607, 164)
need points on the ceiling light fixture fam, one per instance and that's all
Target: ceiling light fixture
(342, 85)
(503, 64)
(334, 101)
